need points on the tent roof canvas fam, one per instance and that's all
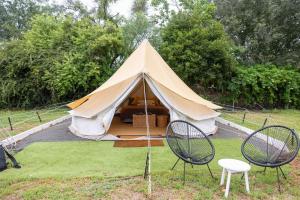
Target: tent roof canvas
(145, 62)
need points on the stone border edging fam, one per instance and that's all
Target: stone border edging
(248, 131)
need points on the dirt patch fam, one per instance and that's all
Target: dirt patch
(296, 170)
(137, 189)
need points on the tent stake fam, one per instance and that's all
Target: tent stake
(146, 174)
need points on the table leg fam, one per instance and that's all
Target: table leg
(228, 184)
(223, 176)
(247, 182)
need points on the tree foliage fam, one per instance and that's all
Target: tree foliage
(15, 15)
(58, 59)
(137, 28)
(266, 31)
(139, 6)
(51, 53)
(196, 46)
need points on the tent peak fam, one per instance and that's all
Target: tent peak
(145, 41)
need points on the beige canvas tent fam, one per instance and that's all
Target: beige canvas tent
(96, 114)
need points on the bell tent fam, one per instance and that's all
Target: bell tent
(144, 81)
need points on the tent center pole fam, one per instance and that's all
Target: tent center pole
(148, 139)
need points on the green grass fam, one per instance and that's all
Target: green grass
(255, 120)
(95, 170)
(23, 120)
(100, 159)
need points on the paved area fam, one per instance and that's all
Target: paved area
(57, 133)
(225, 131)
(60, 132)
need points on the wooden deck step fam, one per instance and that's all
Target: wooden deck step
(135, 136)
(137, 143)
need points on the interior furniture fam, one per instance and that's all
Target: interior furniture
(162, 120)
(126, 113)
(189, 144)
(232, 166)
(271, 146)
(139, 121)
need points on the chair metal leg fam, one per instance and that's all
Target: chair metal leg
(263, 171)
(175, 164)
(184, 173)
(282, 173)
(210, 171)
(278, 181)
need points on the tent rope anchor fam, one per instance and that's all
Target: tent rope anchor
(146, 173)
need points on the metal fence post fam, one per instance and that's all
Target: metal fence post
(244, 117)
(10, 124)
(265, 122)
(37, 113)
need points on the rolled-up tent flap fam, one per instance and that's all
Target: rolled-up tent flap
(189, 108)
(103, 99)
(172, 101)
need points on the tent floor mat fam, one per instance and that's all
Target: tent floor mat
(137, 143)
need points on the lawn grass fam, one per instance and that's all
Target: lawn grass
(255, 120)
(23, 120)
(97, 170)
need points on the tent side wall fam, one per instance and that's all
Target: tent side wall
(207, 124)
(96, 126)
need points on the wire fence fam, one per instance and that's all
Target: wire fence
(256, 119)
(17, 121)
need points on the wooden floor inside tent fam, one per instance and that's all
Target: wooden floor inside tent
(130, 134)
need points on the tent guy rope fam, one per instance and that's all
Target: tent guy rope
(148, 139)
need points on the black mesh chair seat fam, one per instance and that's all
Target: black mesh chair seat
(189, 144)
(271, 146)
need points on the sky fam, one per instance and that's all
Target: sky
(122, 6)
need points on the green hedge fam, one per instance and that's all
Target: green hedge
(266, 85)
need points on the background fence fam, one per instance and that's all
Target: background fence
(13, 122)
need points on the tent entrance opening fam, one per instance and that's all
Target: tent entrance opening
(129, 119)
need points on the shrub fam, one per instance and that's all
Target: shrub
(266, 85)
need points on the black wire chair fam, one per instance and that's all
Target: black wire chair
(189, 144)
(271, 146)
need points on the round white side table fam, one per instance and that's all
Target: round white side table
(234, 166)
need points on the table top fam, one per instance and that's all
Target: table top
(234, 165)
